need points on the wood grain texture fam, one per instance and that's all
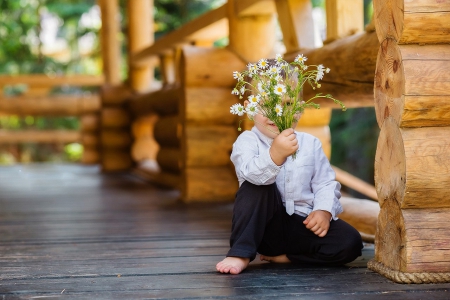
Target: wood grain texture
(412, 165)
(409, 22)
(412, 84)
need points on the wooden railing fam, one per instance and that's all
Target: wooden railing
(36, 101)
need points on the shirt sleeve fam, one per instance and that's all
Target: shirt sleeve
(324, 185)
(252, 162)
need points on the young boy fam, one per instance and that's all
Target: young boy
(286, 209)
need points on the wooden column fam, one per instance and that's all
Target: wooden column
(297, 24)
(344, 18)
(114, 137)
(208, 131)
(412, 161)
(140, 36)
(252, 33)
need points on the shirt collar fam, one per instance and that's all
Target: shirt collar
(263, 138)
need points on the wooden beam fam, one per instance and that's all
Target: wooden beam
(39, 136)
(50, 106)
(212, 25)
(352, 61)
(362, 214)
(162, 102)
(43, 80)
(211, 22)
(355, 183)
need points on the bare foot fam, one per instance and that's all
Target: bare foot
(280, 259)
(233, 265)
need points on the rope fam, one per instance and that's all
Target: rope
(403, 277)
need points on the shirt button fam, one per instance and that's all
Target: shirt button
(288, 180)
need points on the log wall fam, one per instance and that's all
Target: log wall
(413, 153)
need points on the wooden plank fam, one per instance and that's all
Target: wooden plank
(40, 136)
(43, 80)
(344, 18)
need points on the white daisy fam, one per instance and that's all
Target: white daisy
(262, 63)
(301, 59)
(280, 89)
(260, 87)
(279, 59)
(278, 109)
(251, 109)
(274, 70)
(253, 99)
(242, 90)
(235, 91)
(238, 76)
(237, 109)
(327, 70)
(320, 72)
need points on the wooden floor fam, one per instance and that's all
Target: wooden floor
(69, 231)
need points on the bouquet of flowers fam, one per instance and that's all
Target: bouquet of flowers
(277, 89)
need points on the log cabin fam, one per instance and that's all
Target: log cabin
(164, 132)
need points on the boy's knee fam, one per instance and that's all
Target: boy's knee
(351, 247)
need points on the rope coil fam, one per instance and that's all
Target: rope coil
(403, 277)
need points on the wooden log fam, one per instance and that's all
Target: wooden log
(115, 160)
(207, 146)
(352, 62)
(89, 122)
(115, 95)
(412, 84)
(50, 105)
(110, 41)
(116, 139)
(143, 127)
(39, 136)
(203, 67)
(208, 105)
(411, 165)
(208, 184)
(114, 117)
(90, 156)
(89, 140)
(315, 117)
(296, 23)
(251, 37)
(144, 149)
(410, 22)
(168, 131)
(362, 214)
(162, 102)
(44, 80)
(170, 159)
(413, 240)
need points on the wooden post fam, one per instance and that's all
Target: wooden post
(412, 160)
(297, 24)
(140, 35)
(252, 35)
(344, 18)
(113, 135)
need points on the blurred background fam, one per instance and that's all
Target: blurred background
(57, 37)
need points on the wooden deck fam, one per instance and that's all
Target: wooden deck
(69, 231)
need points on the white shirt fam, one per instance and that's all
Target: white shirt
(306, 183)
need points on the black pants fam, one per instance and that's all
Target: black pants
(261, 224)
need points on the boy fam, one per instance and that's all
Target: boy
(285, 208)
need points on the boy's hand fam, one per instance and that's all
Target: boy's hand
(283, 145)
(318, 222)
